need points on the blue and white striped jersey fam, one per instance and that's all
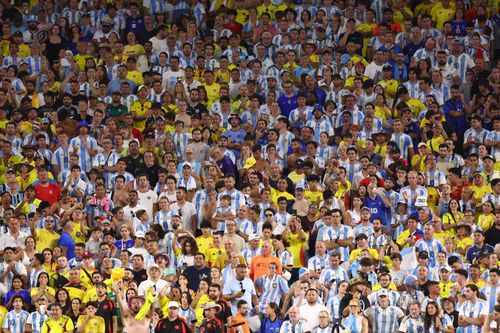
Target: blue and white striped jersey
(273, 289)
(474, 310)
(36, 320)
(300, 327)
(385, 320)
(15, 321)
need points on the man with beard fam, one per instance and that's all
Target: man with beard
(472, 313)
(240, 321)
(138, 270)
(215, 293)
(135, 160)
(201, 149)
(450, 74)
(106, 309)
(185, 209)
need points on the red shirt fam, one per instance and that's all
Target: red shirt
(49, 193)
(457, 193)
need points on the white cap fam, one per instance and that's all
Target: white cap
(253, 237)
(173, 304)
(140, 234)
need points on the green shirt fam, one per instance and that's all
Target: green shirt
(116, 111)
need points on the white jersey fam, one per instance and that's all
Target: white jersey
(474, 310)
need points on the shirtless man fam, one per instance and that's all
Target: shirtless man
(301, 204)
(120, 193)
(130, 311)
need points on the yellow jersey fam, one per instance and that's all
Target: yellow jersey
(445, 288)
(204, 243)
(355, 253)
(442, 15)
(3, 313)
(271, 10)
(136, 77)
(399, 17)
(297, 248)
(61, 325)
(139, 110)
(314, 196)
(212, 92)
(486, 221)
(46, 239)
(94, 324)
(81, 59)
(75, 290)
(275, 194)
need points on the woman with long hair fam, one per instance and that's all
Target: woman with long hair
(102, 75)
(182, 282)
(486, 218)
(55, 43)
(63, 298)
(49, 264)
(206, 136)
(132, 47)
(435, 321)
(29, 250)
(199, 300)
(42, 289)
(424, 68)
(273, 319)
(76, 310)
(353, 215)
(452, 217)
(188, 250)
(17, 289)
(179, 93)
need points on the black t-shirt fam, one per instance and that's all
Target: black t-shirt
(198, 109)
(178, 325)
(424, 288)
(454, 317)
(107, 310)
(211, 326)
(141, 275)
(133, 164)
(344, 302)
(492, 236)
(225, 312)
(194, 275)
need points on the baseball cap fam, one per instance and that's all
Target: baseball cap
(383, 293)
(253, 237)
(303, 271)
(344, 59)
(87, 255)
(173, 304)
(423, 255)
